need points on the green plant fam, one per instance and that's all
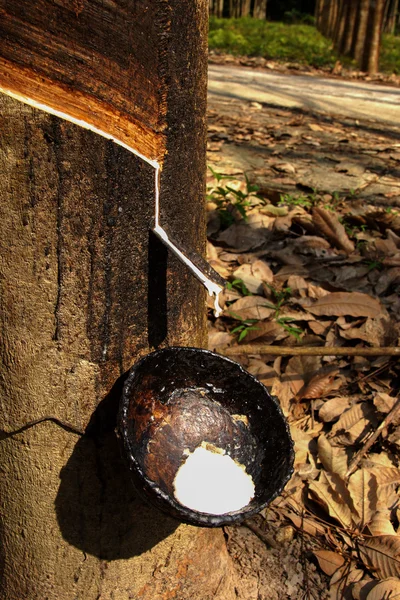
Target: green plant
(245, 326)
(227, 197)
(281, 297)
(305, 201)
(291, 329)
(374, 264)
(298, 42)
(239, 286)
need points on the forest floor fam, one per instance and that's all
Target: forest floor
(313, 260)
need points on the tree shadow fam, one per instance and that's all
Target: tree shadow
(97, 507)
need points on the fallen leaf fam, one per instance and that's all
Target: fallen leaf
(386, 476)
(333, 408)
(385, 590)
(250, 307)
(329, 561)
(383, 402)
(372, 331)
(332, 458)
(361, 589)
(284, 167)
(276, 211)
(335, 506)
(306, 524)
(381, 524)
(318, 386)
(315, 127)
(329, 225)
(342, 304)
(354, 424)
(362, 486)
(299, 370)
(268, 331)
(245, 273)
(382, 555)
(218, 338)
(243, 238)
(261, 269)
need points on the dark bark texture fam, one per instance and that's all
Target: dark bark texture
(85, 290)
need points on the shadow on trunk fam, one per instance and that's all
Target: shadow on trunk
(98, 509)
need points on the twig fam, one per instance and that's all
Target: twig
(386, 421)
(264, 537)
(308, 350)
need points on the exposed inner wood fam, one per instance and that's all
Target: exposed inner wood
(102, 64)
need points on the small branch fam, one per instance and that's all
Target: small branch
(308, 350)
(262, 535)
(386, 421)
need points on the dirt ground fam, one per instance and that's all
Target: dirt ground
(288, 152)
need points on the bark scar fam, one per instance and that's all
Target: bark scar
(67, 426)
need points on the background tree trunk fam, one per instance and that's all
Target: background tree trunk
(349, 24)
(390, 16)
(84, 292)
(260, 9)
(360, 30)
(370, 57)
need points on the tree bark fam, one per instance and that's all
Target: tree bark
(332, 18)
(390, 16)
(260, 9)
(322, 15)
(245, 8)
(339, 23)
(348, 32)
(360, 30)
(370, 57)
(84, 292)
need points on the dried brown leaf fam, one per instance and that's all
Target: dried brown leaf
(372, 331)
(384, 403)
(333, 408)
(388, 589)
(329, 225)
(306, 524)
(216, 339)
(362, 486)
(329, 561)
(386, 476)
(361, 589)
(342, 304)
(381, 524)
(318, 386)
(261, 269)
(250, 307)
(382, 555)
(268, 331)
(245, 273)
(243, 238)
(354, 424)
(335, 506)
(299, 370)
(301, 443)
(333, 459)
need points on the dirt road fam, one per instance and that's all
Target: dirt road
(360, 100)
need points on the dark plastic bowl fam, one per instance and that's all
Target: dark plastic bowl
(176, 398)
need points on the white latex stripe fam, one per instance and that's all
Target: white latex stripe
(213, 288)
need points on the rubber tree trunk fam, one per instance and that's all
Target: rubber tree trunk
(371, 51)
(348, 32)
(85, 290)
(360, 30)
(260, 9)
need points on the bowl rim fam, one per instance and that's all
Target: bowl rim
(151, 491)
